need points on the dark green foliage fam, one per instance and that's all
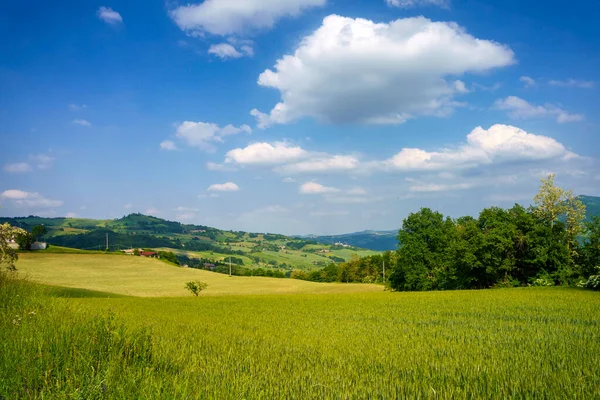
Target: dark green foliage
(38, 231)
(501, 248)
(195, 287)
(168, 256)
(424, 253)
(590, 250)
(96, 239)
(24, 241)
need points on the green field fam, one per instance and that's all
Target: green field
(504, 343)
(143, 277)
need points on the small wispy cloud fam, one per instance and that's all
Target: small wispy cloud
(109, 16)
(573, 83)
(81, 122)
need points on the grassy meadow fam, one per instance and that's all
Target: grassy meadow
(80, 341)
(144, 277)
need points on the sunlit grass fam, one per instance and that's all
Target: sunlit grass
(510, 343)
(139, 276)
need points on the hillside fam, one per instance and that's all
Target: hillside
(193, 244)
(592, 204)
(386, 240)
(145, 277)
(373, 240)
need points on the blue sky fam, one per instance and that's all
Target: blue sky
(294, 116)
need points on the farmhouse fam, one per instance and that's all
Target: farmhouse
(209, 266)
(149, 254)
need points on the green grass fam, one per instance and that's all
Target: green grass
(144, 277)
(505, 343)
(68, 250)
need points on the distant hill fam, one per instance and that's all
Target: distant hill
(372, 240)
(191, 243)
(592, 204)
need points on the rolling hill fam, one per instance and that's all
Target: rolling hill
(373, 240)
(193, 244)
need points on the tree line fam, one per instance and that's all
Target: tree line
(546, 244)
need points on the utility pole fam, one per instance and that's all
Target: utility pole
(229, 265)
(383, 271)
(106, 241)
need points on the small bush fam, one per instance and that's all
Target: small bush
(195, 287)
(592, 283)
(543, 279)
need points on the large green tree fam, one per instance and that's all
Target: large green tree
(423, 256)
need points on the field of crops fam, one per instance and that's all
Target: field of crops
(144, 277)
(505, 343)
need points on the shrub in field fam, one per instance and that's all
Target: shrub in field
(592, 283)
(195, 287)
(543, 279)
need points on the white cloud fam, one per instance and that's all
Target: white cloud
(573, 83)
(323, 163)
(70, 215)
(460, 87)
(266, 154)
(204, 134)
(499, 143)
(226, 17)
(519, 108)
(418, 3)
(76, 107)
(81, 122)
(168, 145)
(152, 211)
(316, 188)
(109, 16)
(29, 199)
(291, 159)
(433, 187)
(288, 180)
(226, 51)
(527, 81)
(223, 187)
(355, 70)
(17, 167)
(128, 205)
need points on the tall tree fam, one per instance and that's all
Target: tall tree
(423, 256)
(550, 201)
(553, 203)
(38, 231)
